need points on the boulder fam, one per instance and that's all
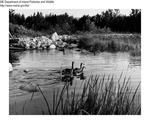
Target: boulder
(31, 87)
(52, 46)
(10, 67)
(27, 46)
(37, 42)
(49, 42)
(55, 37)
(25, 42)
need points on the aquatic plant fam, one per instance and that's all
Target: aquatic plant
(99, 96)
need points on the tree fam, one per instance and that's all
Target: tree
(68, 24)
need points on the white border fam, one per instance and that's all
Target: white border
(79, 4)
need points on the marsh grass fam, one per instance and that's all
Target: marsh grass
(98, 96)
(111, 43)
(13, 57)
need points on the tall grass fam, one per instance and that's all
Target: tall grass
(111, 43)
(99, 96)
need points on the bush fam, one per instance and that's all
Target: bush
(20, 31)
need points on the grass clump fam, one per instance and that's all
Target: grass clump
(98, 97)
(111, 43)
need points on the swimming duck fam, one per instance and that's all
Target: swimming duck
(67, 78)
(61, 49)
(68, 70)
(78, 69)
(26, 71)
(78, 72)
(81, 76)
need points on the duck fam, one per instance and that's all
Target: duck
(67, 78)
(61, 49)
(68, 70)
(78, 69)
(81, 76)
(26, 71)
(79, 72)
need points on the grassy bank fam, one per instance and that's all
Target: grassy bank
(99, 96)
(111, 43)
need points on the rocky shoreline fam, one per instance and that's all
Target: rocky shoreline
(42, 42)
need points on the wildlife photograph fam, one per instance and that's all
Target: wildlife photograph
(74, 61)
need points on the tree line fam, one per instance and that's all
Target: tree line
(65, 24)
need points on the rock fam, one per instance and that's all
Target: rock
(49, 42)
(26, 71)
(10, 67)
(61, 37)
(40, 42)
(52, 46)
(25, 42)
(55, 37)
(31, 87)
(74, 45)
(27, 46)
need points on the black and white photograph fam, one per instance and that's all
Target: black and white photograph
(75, 61)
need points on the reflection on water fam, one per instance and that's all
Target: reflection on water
(43, 67)
(42, 63)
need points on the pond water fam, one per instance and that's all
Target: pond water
(43, 66)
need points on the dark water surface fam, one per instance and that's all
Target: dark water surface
(43, 67)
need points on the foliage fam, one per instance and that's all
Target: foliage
(111, 43)
(65, 24)
(19, 30)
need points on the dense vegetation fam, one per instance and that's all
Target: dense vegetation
(89, 30)
(111, 43)
(110, 20)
